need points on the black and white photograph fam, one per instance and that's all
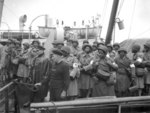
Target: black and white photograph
(74, 56)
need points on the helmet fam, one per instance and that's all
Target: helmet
(122, 49)
(36, 40)
(65, 49)
(103, 48)
(100, 43)
(136, 47)
(85, 41)
(116, 44)
(109, 45)
(75, 40)
(87, 45)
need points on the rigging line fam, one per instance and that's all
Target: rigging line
(121, 5)
(114, 32)
(104, 11)
(142, 33)
(10, 11)
(132, 19)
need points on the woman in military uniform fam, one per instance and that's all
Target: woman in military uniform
(85, 74)
(104, 68)
(72, 91)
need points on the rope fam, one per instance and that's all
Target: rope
(132, 19)
(119, 10)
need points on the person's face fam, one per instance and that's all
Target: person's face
(59, 46)
(54, 46)
(35, 44)
(74, 44)
(17, 45)
(94, 48)
(146, 49)
(101, 54)
(116, 48)
(69, 43)
(11, 45)
(112, 55)
(134, 51)
(55, 57)
(122, 54)
(109, 49)
(87, 49)
(25, 47)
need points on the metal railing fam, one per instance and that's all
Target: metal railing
(8, 99)
(96, 105)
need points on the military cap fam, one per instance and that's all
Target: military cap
(85, 41)
(35, 40)
(57, 52)
(116, 44)
(103, 48)
(109, 45)
(66, 49)
(147, 44)
(87, 45)
(136, 47)
(122, 49)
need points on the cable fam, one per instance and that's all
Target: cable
(104, 11)
(119, 9)
(142, 33)
(11, 11)
(132, 19)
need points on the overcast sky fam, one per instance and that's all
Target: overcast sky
(78, 10)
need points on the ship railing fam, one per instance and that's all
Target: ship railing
(95, 105)
(8, 99)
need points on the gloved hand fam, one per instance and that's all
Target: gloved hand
(72, 78)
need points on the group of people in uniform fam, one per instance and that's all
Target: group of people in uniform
(72, 71)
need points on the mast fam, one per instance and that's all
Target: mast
(111, 21)
(1, 9)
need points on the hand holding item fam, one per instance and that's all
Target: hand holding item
(63, 94)
(139, 59)
(75, 65)
(91, 62)
(38, 84)
(132, 66)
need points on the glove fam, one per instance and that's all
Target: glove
(71, 78)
